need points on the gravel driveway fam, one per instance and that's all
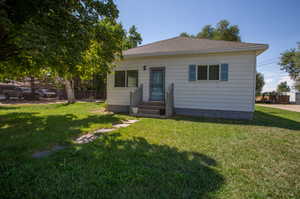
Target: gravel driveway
(289, 107)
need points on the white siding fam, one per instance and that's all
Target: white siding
(117, 95)
(235, 94)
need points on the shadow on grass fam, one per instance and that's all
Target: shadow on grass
(112, 167)
(260, 119)
(22, 132)
(8, 108)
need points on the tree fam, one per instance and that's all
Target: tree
(12, 15)
(290, 62)
(260, 82)
(71, 37)
(207, 32)
(133, 38)
(283, 87)
(184, 34)
(222, 31)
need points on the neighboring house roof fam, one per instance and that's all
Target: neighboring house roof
(185, 45)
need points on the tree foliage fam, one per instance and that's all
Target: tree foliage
(133, 38)
(13, 14)
(185, 34)
(283, 87)
(71, 38)
(207, 32)
(222, 31)
(290, 62)
(260, 82)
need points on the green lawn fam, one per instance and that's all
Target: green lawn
(181, 157)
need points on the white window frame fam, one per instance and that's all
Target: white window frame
(208, 72)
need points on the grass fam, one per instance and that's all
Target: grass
(181, 157)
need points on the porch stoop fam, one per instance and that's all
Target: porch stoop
(151, 109)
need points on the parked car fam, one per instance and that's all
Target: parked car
(27, 93)
(10, 91)
(47, 93)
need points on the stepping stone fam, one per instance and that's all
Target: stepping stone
(58, 148)
(86, 138)
(41, 154)
(48, 152)
(130, 121)
(103, 130)
(120, 125)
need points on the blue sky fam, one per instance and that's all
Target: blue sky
(276, 23)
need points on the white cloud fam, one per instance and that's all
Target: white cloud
(271, 83)
(268, 80)
(272, 79)
(287, 79)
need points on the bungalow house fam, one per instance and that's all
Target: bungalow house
(186, 76)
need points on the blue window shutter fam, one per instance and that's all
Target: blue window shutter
(192, 72)
(224, 72)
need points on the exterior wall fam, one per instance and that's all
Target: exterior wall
(297, 98)
(236, 94)
(243, 115)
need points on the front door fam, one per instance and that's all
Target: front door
(157, 84)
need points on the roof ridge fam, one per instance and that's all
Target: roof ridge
(222, 40)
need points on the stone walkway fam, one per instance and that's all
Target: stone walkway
(86, 138)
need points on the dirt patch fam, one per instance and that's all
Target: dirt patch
(101, 111)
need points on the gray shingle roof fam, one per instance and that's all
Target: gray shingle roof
(185, 45)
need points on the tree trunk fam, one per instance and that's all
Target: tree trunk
(32, 86)
(70, 91)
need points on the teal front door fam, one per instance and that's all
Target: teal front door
(157, 84)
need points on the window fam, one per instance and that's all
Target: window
(202, 72)
(120, 79)
(132, 78)
(214, 72)
(208, 72)
(126, 78)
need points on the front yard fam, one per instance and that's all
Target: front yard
(180, 157)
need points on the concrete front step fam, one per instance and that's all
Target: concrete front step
(149, 111)
(152, 105)
(149, 115)
(147, 106)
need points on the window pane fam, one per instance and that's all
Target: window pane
(119, 78)
(202, 72)
(132, 78)
(213, 72)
